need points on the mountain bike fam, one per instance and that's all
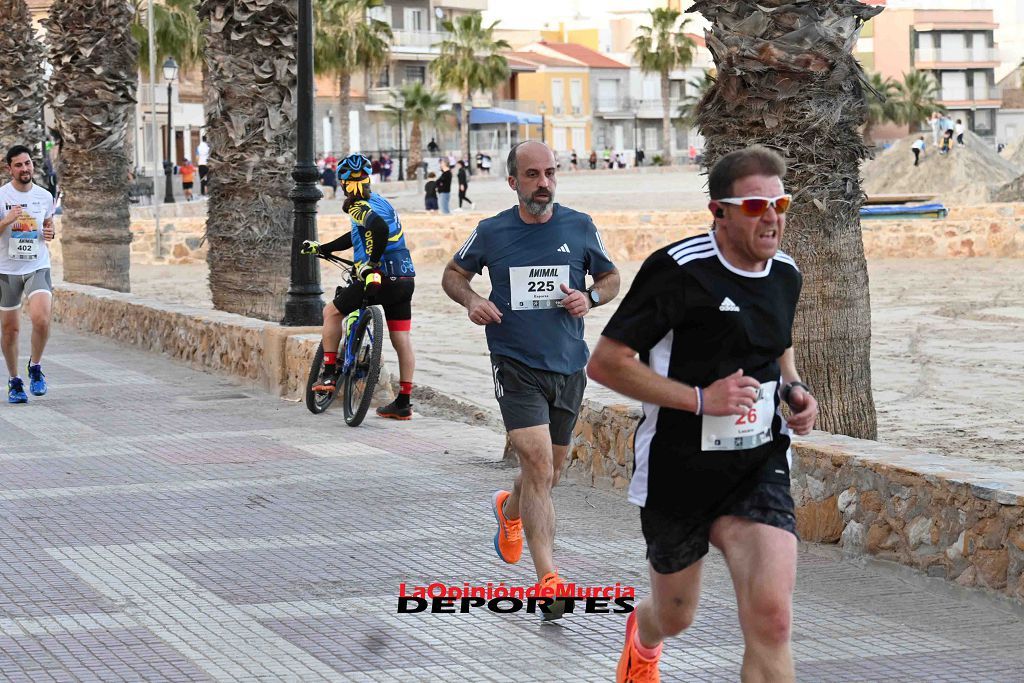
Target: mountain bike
(358, 354)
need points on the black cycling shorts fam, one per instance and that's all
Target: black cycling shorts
(394, 295)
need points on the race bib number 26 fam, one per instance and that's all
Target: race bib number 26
(537, 287)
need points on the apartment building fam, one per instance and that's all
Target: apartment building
(956, 46)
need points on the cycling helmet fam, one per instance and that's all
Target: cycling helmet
(354, 176)
(353, 167)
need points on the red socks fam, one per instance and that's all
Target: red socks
(330, 357)
(405, 388)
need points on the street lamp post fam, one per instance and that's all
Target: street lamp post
(401, 157)
(543, 110)
(636, 145)
(469, 138)
(303, 306)
(170, 73)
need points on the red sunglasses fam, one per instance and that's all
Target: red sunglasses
(756, 206)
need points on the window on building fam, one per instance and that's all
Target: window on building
(415, 74)
(383, 79)
(576, 95)
(579, 139)
(984, 121)
(414, 19)
(651, 87)
(607, 94)
(560, 139)
(557, 95)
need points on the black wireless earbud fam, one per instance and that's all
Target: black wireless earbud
(719, 213)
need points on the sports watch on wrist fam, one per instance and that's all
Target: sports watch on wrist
(594, 296)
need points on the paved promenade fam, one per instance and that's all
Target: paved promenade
(166, 525)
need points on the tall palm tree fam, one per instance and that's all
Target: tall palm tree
(784, 80)
(470, 60)
(419, 106)
(697, 89)
(177, 30)
(21, 78)
(92, 92)
(883, 103)
(918, 98)
(348, 40)
(251, 115)
(662, 48)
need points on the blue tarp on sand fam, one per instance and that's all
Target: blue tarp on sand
(900, 211)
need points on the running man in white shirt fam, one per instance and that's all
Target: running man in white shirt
(26, 224)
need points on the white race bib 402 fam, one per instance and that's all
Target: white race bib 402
(741, 432)
(537, 287)
(24, 246)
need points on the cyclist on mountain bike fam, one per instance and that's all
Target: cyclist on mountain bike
(384, 272)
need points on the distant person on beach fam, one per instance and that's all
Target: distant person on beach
(918, 149)
(936, 123)
(958, 130)
(947, 142)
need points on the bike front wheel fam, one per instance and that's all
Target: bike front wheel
(317, 401)
(361, 379)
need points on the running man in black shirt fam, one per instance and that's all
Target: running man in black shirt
(711, 318)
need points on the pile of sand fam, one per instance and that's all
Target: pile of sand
(1014, 152)
(967, 175)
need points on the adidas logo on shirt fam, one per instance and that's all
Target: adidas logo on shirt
(564, 248)
(728, 305)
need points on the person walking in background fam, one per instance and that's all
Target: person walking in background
(444, 187)
(329, 179)
(188, 178)
(640, 157)
(430, 193)
(947, 142)
(936, 124)
(432, 146)
(463, 178)
(385, 167)
(203, 155)
(918, 149)
(958, 130)
(574, 161)
(592, 160)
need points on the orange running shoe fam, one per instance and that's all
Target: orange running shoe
(560, 605)
(508, 539)
(632, 667)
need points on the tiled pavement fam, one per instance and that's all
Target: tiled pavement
(160, 524)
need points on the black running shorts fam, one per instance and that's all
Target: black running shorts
(674, 542)
(529, 397)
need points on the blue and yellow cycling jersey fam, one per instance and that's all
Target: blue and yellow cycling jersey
(396, 260)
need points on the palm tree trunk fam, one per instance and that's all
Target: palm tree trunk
(666, 118)
(92, 92)
(251, 124)
(464, 137)
(796, 97)
(21, 80)
(415, 151)
(344, 106)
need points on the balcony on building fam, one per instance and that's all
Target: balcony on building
(970, 96)
(956, 57)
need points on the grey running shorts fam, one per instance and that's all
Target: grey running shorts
(675, 542)
(529, 397)
(13, 287)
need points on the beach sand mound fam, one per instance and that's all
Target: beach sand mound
(967, 175)
(1012, 191)
(1014, 152)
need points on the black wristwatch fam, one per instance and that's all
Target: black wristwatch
(595, 297)
(788, 389)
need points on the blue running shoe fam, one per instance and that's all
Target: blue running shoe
(16, 391)
(36, 383)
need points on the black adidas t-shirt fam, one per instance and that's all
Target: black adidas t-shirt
(694, 318)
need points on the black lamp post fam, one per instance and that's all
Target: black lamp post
(170, 73)
(542, 109)
(469, 138)
(303, 306)
(401, 157)
(636, 146)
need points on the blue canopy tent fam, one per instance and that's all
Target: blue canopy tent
(508, 117)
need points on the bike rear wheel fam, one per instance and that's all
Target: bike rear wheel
(361, 379)
(317, 401)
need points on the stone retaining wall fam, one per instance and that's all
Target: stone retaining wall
(993, 230)
(952, 518)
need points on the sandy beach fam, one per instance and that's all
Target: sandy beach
(947, 367)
